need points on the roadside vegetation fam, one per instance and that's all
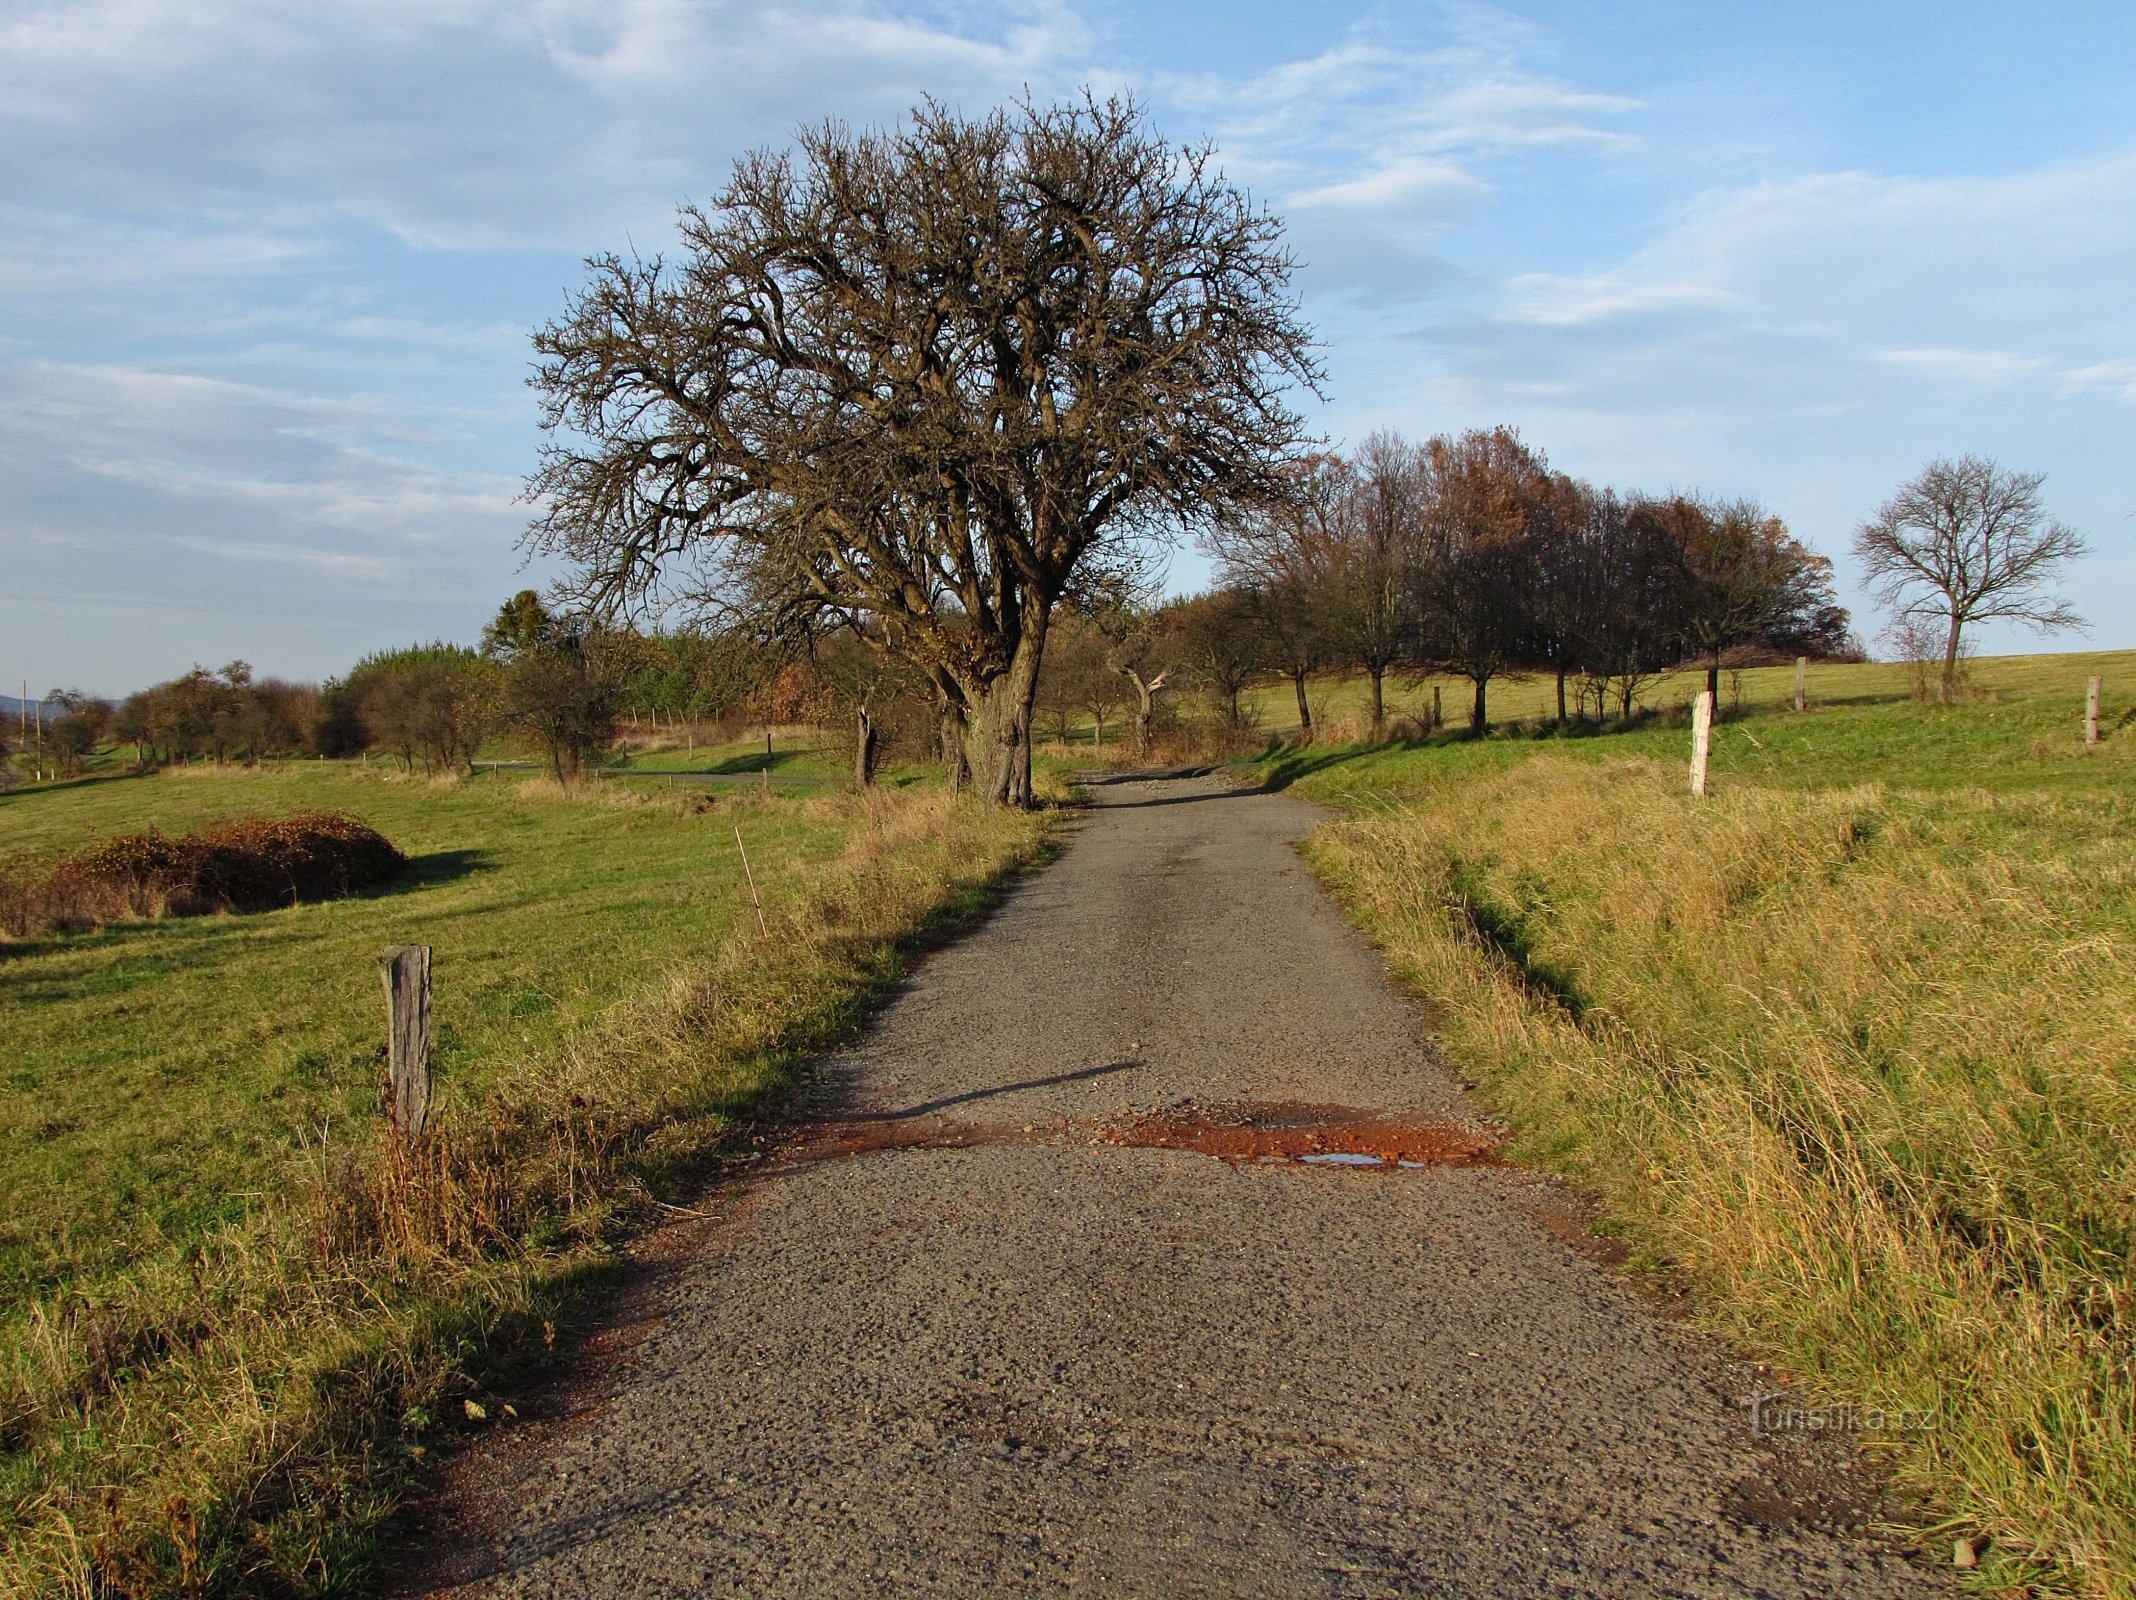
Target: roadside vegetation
(232, 1317)
(1845, 1044)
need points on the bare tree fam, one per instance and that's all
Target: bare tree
(1281, 558)
(1378, 537)
(941, 376)
(1966, 541)
(1140, 647)
(1221, 646)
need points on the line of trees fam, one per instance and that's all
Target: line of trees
(1467, 556)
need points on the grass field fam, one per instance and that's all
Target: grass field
(161, 1073)
(2023, 736)
(1846, 1044)
(227, 1314)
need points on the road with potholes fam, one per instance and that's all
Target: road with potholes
(1143, 1247)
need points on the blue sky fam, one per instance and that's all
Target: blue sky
(267, 272)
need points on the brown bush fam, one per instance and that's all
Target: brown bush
(245, 864)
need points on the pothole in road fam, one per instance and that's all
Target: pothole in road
(1241, 1132)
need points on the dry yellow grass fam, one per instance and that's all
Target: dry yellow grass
(1857, 1062)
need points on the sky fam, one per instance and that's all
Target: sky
(268, 272)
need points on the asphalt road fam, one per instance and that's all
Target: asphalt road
(983, 1335)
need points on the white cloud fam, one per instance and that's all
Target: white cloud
(252, 551)
(466, 122)
(1986, 369)
(2118, 376)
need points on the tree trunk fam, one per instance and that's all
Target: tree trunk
(956, 767)
(1561, 696)
(1479, 719)
(1950, 659)
(1145, 706)
(1378, 675)
(997, 736)
(864, 748)
(1713, 678)
(1305, 711)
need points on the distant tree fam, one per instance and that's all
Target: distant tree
(1966, 541)
(81, 725)
(1280, 557)
(1568, 553)
(1474, 582)
(1140, 647)
(1378, 541)
(941, 376)
(431, 705)
(558, 687)
(1744, 580)
(1220, 644)
(1631, 623)
(1079, 678)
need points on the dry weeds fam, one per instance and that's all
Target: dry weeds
(1857, 1062)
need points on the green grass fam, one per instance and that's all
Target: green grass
(1863, 726)
(233, 1315)
(1845, 1043)
(160, 1074)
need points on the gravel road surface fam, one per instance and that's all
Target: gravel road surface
(999, 1341)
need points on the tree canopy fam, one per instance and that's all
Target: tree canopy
(930, 381)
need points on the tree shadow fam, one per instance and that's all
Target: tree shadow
(1304, 762)
(87, 780)
(932, 1106)
(431, 869)
(759, 761)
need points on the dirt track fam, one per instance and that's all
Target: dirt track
(988, 1335)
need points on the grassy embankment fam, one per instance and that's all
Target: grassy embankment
(1848, 1044)
(228, 1316)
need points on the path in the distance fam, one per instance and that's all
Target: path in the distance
(1049, 1358)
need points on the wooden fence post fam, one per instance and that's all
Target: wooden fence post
(1701, 738)
(1802, 683)
(405, 970)
(2091, 711)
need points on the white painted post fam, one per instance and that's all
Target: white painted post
(1802, 683)
(1701, 739)
(2091, 711)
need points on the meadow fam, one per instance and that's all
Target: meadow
(231, 1313)
(1845, 1046)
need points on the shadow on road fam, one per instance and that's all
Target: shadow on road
(992, 1090)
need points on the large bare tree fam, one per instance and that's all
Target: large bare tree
(932, 379)
(1966, 541)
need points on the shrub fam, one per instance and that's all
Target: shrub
(245, 864)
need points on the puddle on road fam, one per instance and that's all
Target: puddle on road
(1249, 1131)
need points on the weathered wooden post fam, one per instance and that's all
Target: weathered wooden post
(1701, 738)
(2091, 711)
(405, 970)
(1802, 683)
